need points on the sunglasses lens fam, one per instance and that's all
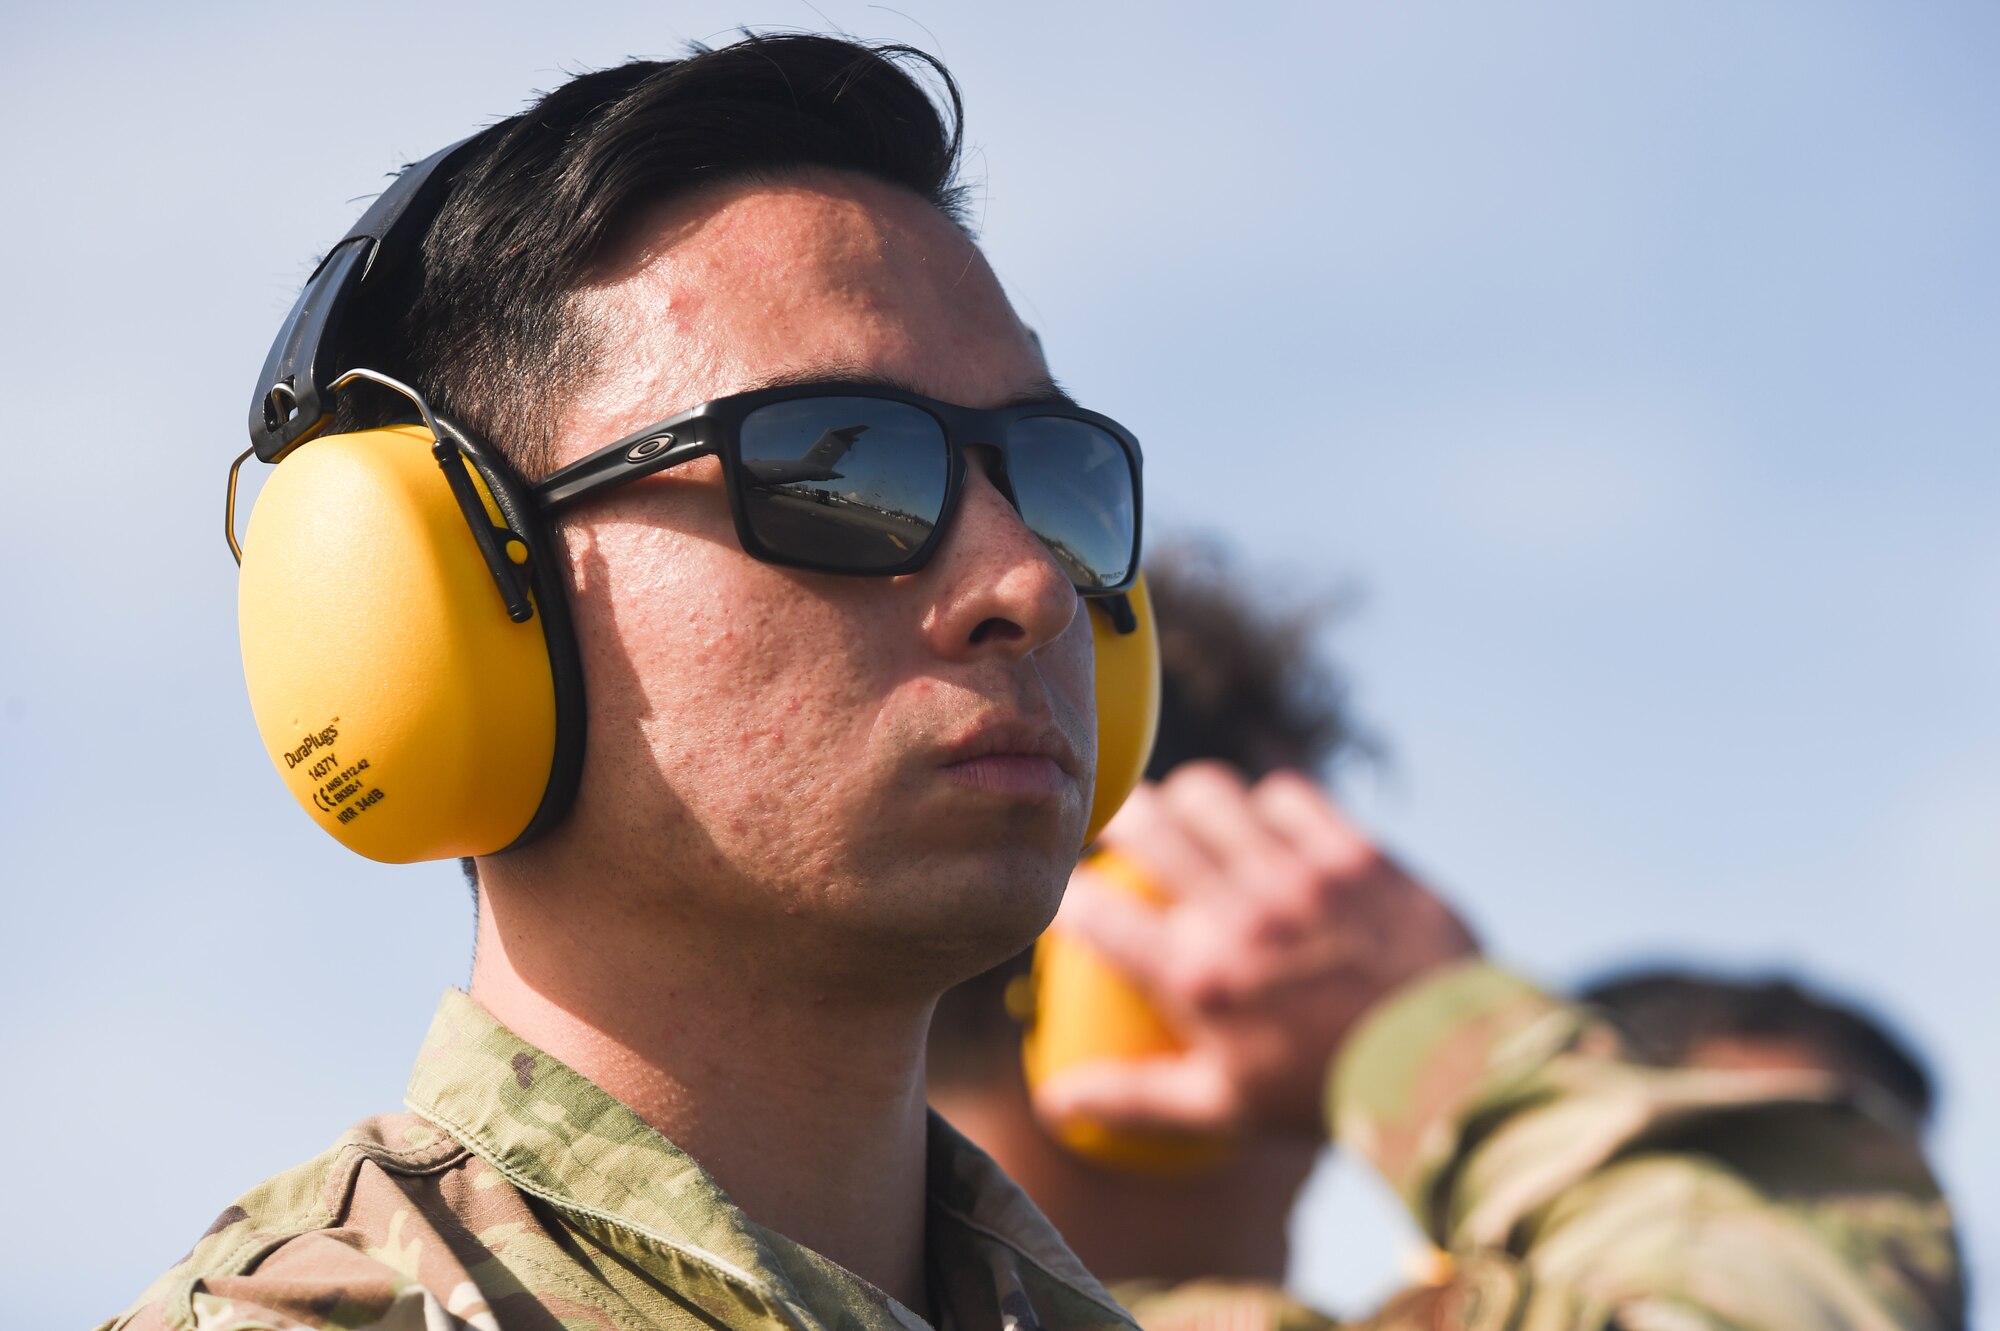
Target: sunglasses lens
(848, 483)
(1076, 490)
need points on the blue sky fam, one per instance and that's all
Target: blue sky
(1635, 365)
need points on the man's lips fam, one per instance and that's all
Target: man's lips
(1014, 757)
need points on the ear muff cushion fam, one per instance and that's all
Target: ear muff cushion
(1128, 705)
(406, 713)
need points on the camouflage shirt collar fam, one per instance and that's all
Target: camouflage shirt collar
(557, 1136)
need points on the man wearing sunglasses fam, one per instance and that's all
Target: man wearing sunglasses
(828, 529)
(830, 537)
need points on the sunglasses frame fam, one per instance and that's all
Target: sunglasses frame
(715, 429)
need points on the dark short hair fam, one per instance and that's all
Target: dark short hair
(482, 320)
(1243, 681)
(1667, 1014)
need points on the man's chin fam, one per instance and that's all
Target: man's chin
(969, 910)
(981, 813)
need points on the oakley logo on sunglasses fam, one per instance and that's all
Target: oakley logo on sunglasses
(646, 448)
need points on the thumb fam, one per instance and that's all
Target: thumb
(1180, 1093)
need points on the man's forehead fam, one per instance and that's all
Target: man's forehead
(824, 277)
(787, 227)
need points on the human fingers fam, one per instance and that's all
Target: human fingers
(1298, 811)
(1183, 1093)
(1212, 804)
(1151, 835)
(1128, 933)
(1371, 895)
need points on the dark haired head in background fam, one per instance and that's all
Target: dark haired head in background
(1242, 679)
(1682, 1018)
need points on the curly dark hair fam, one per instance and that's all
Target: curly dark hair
(1241, 677)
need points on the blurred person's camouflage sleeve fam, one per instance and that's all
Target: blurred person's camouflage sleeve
(1573, 1190)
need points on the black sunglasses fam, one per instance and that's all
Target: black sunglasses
(847, 478)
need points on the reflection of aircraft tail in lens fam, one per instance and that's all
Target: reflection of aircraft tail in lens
(817, 465)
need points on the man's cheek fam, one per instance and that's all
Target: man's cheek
(1076, 687)
(1069, 680)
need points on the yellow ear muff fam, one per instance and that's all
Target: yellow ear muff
(1128, 705)
(405, 711)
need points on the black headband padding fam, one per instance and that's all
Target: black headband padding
(293, 400)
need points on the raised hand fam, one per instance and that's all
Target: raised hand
(1279, 925)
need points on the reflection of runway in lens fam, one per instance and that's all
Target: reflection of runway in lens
(826, 525)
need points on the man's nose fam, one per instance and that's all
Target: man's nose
(1000, 590)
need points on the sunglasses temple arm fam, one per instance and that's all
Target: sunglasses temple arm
(623, 461)
(1117, 607)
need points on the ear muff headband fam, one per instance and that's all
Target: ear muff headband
(295, 390)
(406, 637)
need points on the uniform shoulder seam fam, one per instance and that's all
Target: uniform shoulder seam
(343, 1163)
(431, 1158)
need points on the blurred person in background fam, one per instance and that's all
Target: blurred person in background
(1567, 1182)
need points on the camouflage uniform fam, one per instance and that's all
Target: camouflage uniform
(519, 1195)
(1570, 1189)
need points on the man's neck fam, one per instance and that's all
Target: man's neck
(809, 1113)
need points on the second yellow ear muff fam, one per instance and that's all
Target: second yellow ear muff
(1128, 703)
(1081, 1008)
